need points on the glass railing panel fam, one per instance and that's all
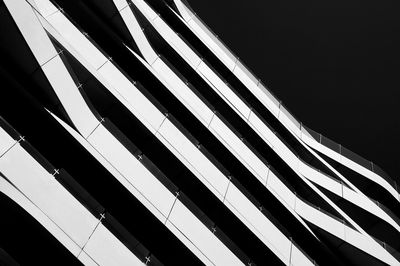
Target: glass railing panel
(9, 129)
(315, 135)
(377, 170)
(356, 158)
(270, 95)
(118, 230)
(330, 144)
(246, 70)
(290, 116)
(395, 253)
(69, 183)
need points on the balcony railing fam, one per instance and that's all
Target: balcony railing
(317, 136)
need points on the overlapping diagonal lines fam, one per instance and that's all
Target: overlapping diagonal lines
(149, 142)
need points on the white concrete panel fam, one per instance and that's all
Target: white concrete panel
(320, 219)
(44, 7)
(86, 260)
(175, 41)
(259, 224)
(370, 175)
(298, 258)
(31, 30)
(110, 74)
(176, 231)
(183, 10)
(368, 245)
(183, 92)
(132, 169)
(262, 129)
(6, 141)
(136, 32)
(228, 58)
(38, 215)
(266, 97)
(205, 35)
(203, 167)
(291, 210)
(350, 164)
(120, 4)
(320, 178)
(76, 39)
(281, 189)
(168, 73)
(258, 90)
(212, 43)
(106, 249)
(201, 236)
(223, 90)
(307, 138)
(142, 107)
(125, 181)
(368, 205)
(42, 188)
(281, 256)
(237, 147)
(249, 80)
(69, 95)
(145, 9)
(287, 119)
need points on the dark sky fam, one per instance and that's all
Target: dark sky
(335, 64)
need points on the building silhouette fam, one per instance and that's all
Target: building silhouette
(130, 134)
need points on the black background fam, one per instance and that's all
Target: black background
(335, 64)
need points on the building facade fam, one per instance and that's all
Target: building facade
(130, 134)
